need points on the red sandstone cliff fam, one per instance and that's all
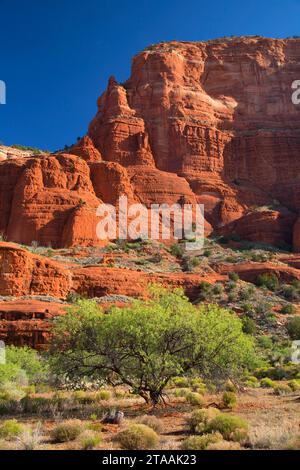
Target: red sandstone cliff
(209, 121)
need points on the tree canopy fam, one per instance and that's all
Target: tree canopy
(148, 343)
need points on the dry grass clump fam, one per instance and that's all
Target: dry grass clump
(137, 437)
(263, 437)
(201, 442)
(89, 439)
(224, 445)
(152, 422)
(67, 431)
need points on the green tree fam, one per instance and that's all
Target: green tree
(150, 342)
(22, 363)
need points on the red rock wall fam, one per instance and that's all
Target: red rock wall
(212, 122)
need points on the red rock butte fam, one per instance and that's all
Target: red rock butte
(211, 122)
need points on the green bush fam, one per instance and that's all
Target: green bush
(290, 292)
(229, 400)
(199, 419)
(10, 429)
(8, 407)
(294, 385)
(144, 353)
(137, 437)
(89, 439)
(181, 382)
(267, 383)
(252, 382)
(181, 392)
(26, 360)
(194, 399)
(268, 280)
(67, 431)
(205, 291)
(177, 250)
(233, 276)
(230, 386)
(249, 326)
(201, 442)
(232, 428)
(198, 386)
(288, 309)
(282, 389)
(217, 289)
(103, 395)
(10, 391)
(293, 328)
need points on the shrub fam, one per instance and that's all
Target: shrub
(89, 439)
(267, 383)
(217, 289)
(26, 360)
(252, 382)
(194, 398)
(103, 395)
(198, 386)
(282, 389)
(249, 326)
(151, 327)
(233, 276)
(10, 429)
(294, 385)
(11, 392)
(176, 250)
(152, 422)
(35, 405)
(181, 382)
(232, 428)
(224, 445)
(229, 400)
(30, 438)
(268, 280)
(205, 291)
(200, 418)
(201, 442)
(288, 309)
(230, 387)
(66, 431)
(195, 262)
(293, 328)
(8, 406)
(137, 437)
(84, 398)
(181, 392)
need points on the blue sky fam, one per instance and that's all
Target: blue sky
(56, 55)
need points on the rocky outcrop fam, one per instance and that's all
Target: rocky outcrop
(219, 114)
(40, 197)
(28, 322)
(250, 271)
(23, 273)
(211, 122)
